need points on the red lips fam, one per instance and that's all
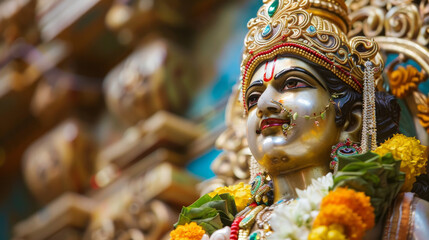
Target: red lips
(272, 122)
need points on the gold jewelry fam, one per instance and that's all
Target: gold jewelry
(369, 128)
(309, 29)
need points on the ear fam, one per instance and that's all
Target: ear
(353, 126)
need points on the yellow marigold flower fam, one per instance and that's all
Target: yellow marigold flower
(241, 193)
(412, 154)
(336, 232)
(333, 232)
(352, 223)
(318, 233)
(189, 231)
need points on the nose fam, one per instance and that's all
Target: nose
(266, 106)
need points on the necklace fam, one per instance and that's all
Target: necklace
(258, 211)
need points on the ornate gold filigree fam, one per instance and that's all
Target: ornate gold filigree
(423, 109)
(314, 31)
(392, 18)
(367, 20)
(142, 220)
(403, 21)
(232, 165)
(423, 37)
(404, 81)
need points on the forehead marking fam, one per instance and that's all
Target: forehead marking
(269, 68)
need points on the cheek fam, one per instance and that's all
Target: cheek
(252, 126)
(306, 103)
(252, 136)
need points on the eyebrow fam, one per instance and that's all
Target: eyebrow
(298, 69)
(254, 84)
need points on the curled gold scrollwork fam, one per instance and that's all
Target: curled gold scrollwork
(131, 234)
(325, 40)
(356, 4)
(423, 109)
(403, 21)
(392, 18)
(403, 80)
(366, 49)
(105, 231)
(367, 20)
(423, 37)
(381, 3)
(152, 219)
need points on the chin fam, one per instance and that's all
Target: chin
(278, 154)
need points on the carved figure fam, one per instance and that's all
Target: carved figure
(309, 93)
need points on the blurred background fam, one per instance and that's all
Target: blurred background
(111, 112)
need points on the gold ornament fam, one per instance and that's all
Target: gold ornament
(311, 29)
(404, 81)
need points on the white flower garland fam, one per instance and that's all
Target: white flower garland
(294, 220)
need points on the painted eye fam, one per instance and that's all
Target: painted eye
(295, 83)
(252, 100)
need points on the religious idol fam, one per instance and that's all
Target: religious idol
(328, 162)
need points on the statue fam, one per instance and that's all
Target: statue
(309, 95)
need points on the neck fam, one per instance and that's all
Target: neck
(285, 184)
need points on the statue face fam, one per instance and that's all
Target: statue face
(291, 121)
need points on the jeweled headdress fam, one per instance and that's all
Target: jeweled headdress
(311, 29)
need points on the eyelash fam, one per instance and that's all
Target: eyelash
(297, 82)
(252, 100)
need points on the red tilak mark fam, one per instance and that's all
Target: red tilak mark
(270, 67)
(311, 51)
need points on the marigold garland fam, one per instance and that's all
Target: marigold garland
(412, 154)
(333, 232)
(358, 202)
(241, 193)
(348, 208)
(189, 231)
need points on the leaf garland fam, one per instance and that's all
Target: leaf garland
(379, 177)
(211, 213)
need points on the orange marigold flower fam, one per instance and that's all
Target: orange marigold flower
(189, 231)
(331, 214)
(348, 208)
(358, 202)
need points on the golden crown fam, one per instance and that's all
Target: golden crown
(313, 29)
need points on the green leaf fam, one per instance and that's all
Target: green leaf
(232, 208)
(204, 199)
(211, 213)
(379, 177)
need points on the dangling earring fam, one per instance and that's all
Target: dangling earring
(369, 128)
(346, 148)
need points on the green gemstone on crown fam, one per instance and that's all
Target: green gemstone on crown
(273, 8)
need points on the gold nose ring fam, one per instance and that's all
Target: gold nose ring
(259, 113)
